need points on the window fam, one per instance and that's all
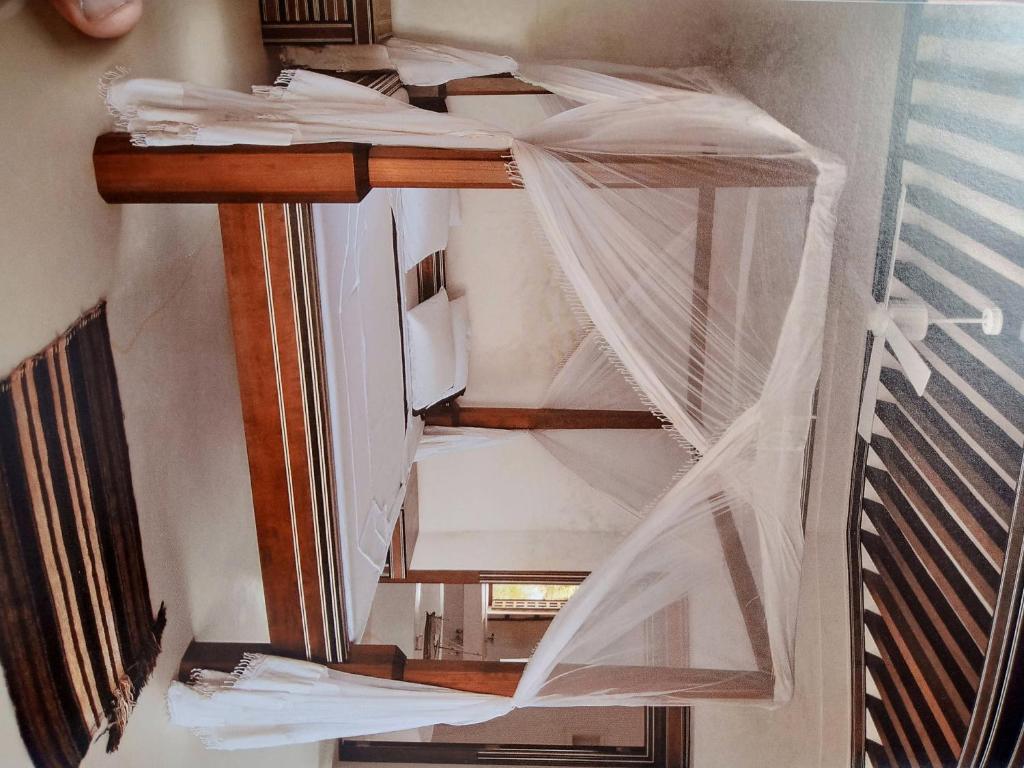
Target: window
(533, 599)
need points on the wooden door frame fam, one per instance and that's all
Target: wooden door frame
(666, 745)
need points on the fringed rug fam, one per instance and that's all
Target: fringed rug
(78, 639)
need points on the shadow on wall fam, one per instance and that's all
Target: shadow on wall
(675, 32)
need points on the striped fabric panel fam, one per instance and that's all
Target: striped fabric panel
(387, 83)
(77, 634)
(276, 11)
(941, 473)
(325, 21)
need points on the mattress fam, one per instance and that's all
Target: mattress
(374, 436)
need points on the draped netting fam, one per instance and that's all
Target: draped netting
(696, 233)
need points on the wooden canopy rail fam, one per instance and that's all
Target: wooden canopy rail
(539, 418)
(499, 678)
(345, 173)
(264, 194)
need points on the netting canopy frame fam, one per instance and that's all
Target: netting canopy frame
(679, 214)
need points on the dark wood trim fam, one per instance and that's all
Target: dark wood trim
(666, 745)
(307, 173)
(853, 547)
(939, 565)
(274, 298)
(539, 418)
(896, 558)
(413, 576)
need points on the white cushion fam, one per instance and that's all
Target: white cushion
(431, 351)
(460, 335)
(422, 220)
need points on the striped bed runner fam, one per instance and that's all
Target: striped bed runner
(325, 21)
(937, 520)
(78, 638)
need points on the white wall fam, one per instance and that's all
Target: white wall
(615, 726)
(511, 507)
(160, 267)
(395, 618)
(513, 639)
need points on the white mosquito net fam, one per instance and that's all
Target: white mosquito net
(696, 233)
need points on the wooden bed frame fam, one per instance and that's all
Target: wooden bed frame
(264, 194)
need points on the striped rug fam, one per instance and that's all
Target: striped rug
(78, 638)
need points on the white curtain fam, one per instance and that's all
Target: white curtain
(699, 601)
(633, 466)
(437, 441)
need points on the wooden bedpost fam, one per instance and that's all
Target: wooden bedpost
(270, 264)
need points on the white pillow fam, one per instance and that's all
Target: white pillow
(460, 335)
(422, 220)
(431, 351)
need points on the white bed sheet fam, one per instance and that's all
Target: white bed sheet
(374, 438)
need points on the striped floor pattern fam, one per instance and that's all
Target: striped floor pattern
(941, 474)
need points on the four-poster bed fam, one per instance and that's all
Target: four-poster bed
(279, 178)
(265, 195)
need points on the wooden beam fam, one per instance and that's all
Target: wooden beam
(501, 678)
(427, 167)
(386, 661)
(413, 576)
(383, 661)
(344, 173)
(540, 418)
(745, 588)
(306, 173)
(700, 294)
(491, 85)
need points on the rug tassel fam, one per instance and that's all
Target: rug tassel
(133, 681)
